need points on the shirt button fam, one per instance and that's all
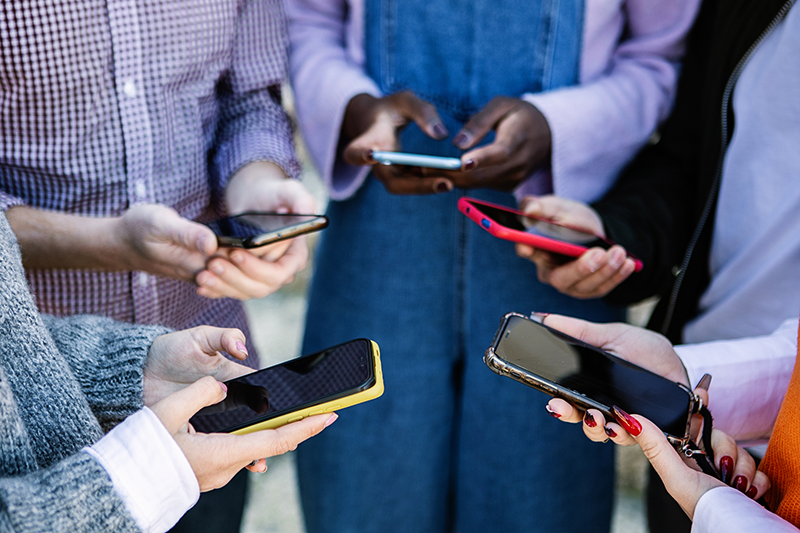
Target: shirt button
(142, 279)
(141, 190)
(129, 88)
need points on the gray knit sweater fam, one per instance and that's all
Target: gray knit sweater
(61, 382)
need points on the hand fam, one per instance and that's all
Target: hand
(178, 359)
(595, 273)
(522, 144)
(373, 124)
(215, 458)
(257, 272)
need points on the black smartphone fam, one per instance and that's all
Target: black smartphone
(564, 367)
(253, 229)
(323, 382)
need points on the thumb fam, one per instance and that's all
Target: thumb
(189, 235)
(600, 335)
(175, 410)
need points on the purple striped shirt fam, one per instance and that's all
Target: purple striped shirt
(106, 104)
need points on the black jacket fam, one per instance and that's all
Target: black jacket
(662, 208)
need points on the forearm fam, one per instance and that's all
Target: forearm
(57, 240)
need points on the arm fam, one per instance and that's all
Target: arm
(599, 125)
(327, 72)
(107, 358)
(750, 378)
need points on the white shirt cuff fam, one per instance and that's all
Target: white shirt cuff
(148, 470)
(727, 509)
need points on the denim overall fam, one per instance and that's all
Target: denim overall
(450, 446)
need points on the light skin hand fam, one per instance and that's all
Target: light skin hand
(592, 275)
(523, 142)
(373, 124)
(178, 359)
(257, 272)
(215, 458)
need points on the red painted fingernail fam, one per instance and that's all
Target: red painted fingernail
(726, 469)
(740, 483)
(610, 432)
(589, 420)
(551, 412)
(625, 420)
(241, 347)
(751, 492)
(470, 164)
(223, 386)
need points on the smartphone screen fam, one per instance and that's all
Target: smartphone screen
(539, 227)
(303, 382)
(593, 373)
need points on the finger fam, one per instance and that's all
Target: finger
(175, 410)
(270, 443)
(599, 335)
(187, 234)
(293, 197)
(583, 277)
(726, 454)
(618, 435)
(381, 136)
(524, 251)
(505, 150)
(271, 252)
(608, 273)
(423, 113)
(410, 185)
(594, 426)
(483, 122)
(213, 340)
(564, 411)
(759, 486)
(258, 467)
(744, 471)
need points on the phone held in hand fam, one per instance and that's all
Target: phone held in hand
(515, 226)
(564, 367)
(253, 229)
(417, 160)
(323, 382)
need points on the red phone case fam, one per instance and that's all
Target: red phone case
(471, 208)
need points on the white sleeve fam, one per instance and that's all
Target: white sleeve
(148, 470)
(749, 379)
(725, 509)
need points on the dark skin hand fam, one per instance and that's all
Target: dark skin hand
(522, 142)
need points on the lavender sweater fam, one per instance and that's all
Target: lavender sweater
(626, 88)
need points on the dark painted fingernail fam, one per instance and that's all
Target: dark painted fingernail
(439, 130)
(751, 492)
(610, 432)
(726, 469)
(589, 420)
(704, 382)
(368, 155)
(470, 164)
(551, 412)
(461, 140)
(740, 483)
(625, 420)
(443, 186)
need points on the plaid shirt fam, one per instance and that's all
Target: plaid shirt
(109, 103)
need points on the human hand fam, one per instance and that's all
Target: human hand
(522, 143)
(592, 275)
(176, 360)
(257, 272)
(373, 124)
(215, 458)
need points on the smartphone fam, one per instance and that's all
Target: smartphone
(253, 229)
(564, 367)
(417, 160)
(323, 382)
(514, 225)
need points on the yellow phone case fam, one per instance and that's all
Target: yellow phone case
(326, 407)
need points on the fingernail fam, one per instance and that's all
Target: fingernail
(461, 140)
(726, 469)
(751, 492)
(551, 412)
(610, 432)
(201, 243)
(443, 186)
(539, 317)
(595, 259)
(704, 382)
(439, 130)
(223, 386)
(368, 155)
(241, 347)
(238, 258)
(740, 483)
(216, 268)
(331, 420)
(625, 420)
(616, 259)
(470, 164)
(589, 420)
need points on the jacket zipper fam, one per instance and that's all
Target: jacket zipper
(734, 77)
